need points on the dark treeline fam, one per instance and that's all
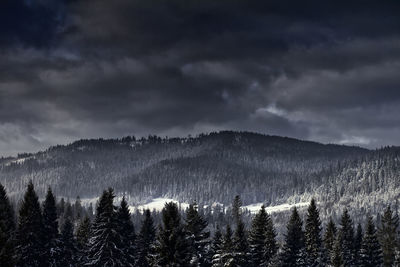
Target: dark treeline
(39, 236)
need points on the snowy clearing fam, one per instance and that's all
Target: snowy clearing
(254, 208)
(157, 204)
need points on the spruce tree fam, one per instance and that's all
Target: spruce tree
(336, 258)
(83, 233)
(172, 248)
(78, 208)
(312, 234)
(127, 231)
(271, 246)
(236, 209)
(7, 229)
(146, 240)
(257, 237)
(105, 242)
(371, 253)
(198, 237)
(217, 248)
(357, 244)
(346, 235)
(330, 239)
(82, 238)
(294, 245)
(50, 226)
(69, 255)
(262, 239)
(227, 256)
(30, 247)
(240, 245)
(387, 234)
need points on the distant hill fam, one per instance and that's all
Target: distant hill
(208, 168)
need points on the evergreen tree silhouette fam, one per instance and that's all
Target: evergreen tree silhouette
(50, 226)
(105, 243)
(262, 240)
(257, 237)
(330, 239)
(198, 237)
(146, 240)
(30, 244)
(371, 253)
(172, 248)
(293, 249)
(346, 238)
(313, 240)
(228, 258)
(387, 234)
(357, 244)
(7, 230)
(240, 245)
(127, 231)
(82, 238)
(271, 246)
(69, 255)
(217, 248)
(336, 258)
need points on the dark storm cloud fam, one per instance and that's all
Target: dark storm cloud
(31, 22)
(322, 70)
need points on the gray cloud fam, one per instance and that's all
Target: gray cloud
(320, 71)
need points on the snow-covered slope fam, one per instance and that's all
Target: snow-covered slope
(254, 208)
(211, 168)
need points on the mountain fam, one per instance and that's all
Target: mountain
(214, 168)
(208, 168)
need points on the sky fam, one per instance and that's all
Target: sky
(327, 71)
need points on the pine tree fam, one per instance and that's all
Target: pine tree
(262, 239)
(105, 241)
(30, 247)
(330, 239)
(357, 244)
(195, 226)
(69, 255)
(61, 206)
(7, 229)
(78, 208)
(312, 234)
(82, 238)
(127, 231)
(240, 245)
(172, 248)
(217, 248)
(387, 234)
(294, 241)
(271, 246)
(146, 240)
(336, 258)
(227, 256)
(236, 209)
(83, 233)
(258, 237)
(346, 235)
(50, 226)
(371, 254)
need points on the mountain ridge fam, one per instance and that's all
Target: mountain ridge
(207, 168)
(150, 138)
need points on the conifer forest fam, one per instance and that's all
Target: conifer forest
(58, 233)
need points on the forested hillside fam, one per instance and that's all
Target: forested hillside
(52, 233)
(212, 168)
